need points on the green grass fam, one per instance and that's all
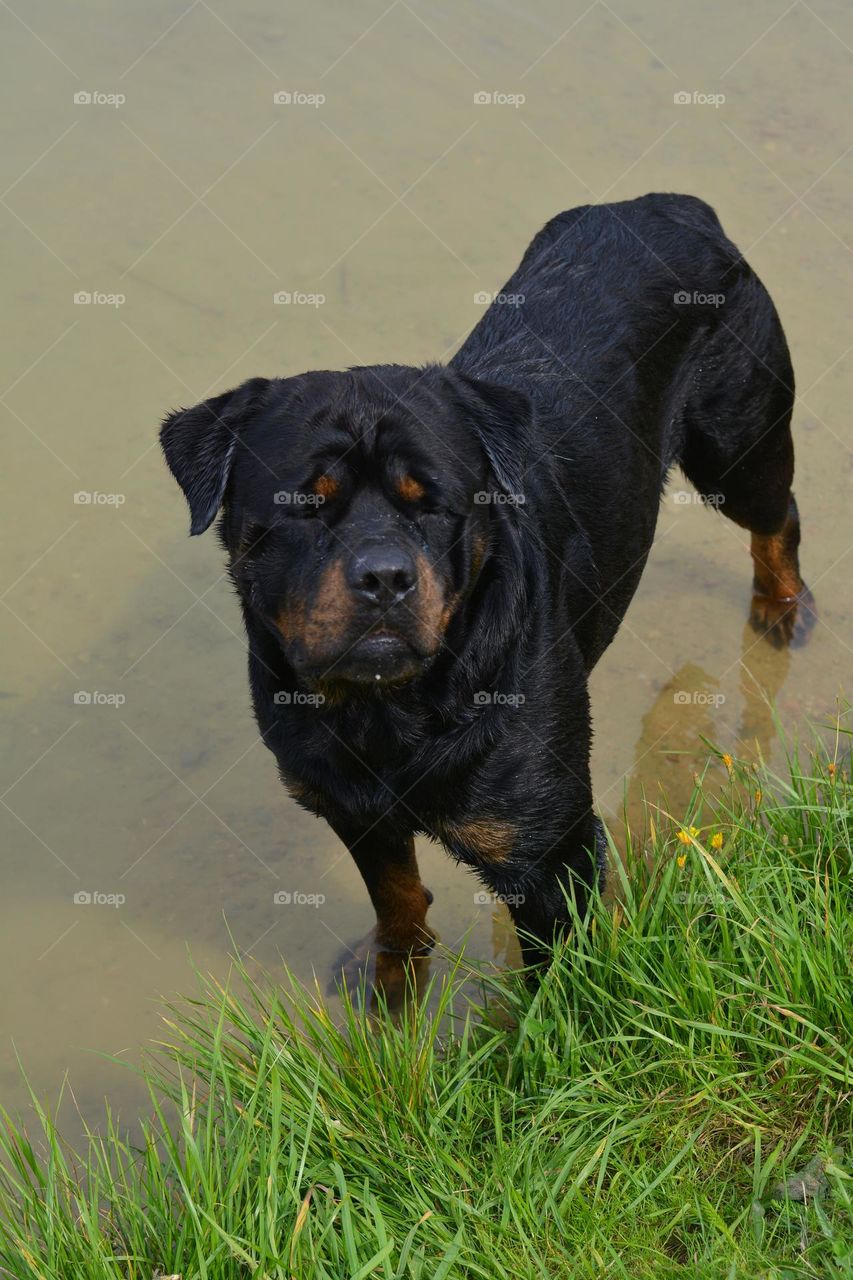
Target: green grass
(630, 1117)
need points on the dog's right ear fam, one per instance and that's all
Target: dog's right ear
(199, 445)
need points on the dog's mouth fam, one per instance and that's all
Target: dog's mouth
(374, 653)
(382, 656)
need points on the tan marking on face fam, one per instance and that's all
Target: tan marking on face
(328, 616)
(489, 839)
(776, 564)
(478, 553)
(409, 489)
(321, 625)
(291, 622)
(448, 612)
(326, 486)
(432, 608)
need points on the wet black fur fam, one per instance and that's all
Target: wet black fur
(579, 399)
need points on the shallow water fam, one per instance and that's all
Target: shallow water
(398, 198)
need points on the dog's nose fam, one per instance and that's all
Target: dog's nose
(382, 575)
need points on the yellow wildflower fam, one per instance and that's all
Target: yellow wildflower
(717, 840)
(728, 761)
(681, 859)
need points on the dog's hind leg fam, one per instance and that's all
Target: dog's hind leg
(739, 453)
(782, 606)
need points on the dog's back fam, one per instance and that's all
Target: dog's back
(643, 339)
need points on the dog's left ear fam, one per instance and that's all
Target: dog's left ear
(199, 445)
(503, 420)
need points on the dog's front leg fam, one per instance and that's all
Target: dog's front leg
(386, 860)
(546, 895)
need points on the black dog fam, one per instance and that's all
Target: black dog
(430, 561)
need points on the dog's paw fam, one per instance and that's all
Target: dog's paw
(786, 623)
(389, 972)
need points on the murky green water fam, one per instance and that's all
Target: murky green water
(398, 198)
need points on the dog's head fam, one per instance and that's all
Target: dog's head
(356, 506)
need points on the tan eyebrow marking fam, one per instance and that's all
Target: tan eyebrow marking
(409, 489)
(326, 486)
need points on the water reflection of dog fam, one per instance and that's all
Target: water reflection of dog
(690, 717)
(383, 974)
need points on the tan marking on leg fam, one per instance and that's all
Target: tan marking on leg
(775, 561)
(782, 606)
(398, 896)
(401, 905)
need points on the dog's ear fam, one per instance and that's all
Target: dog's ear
(199, 445)
(503, 420)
